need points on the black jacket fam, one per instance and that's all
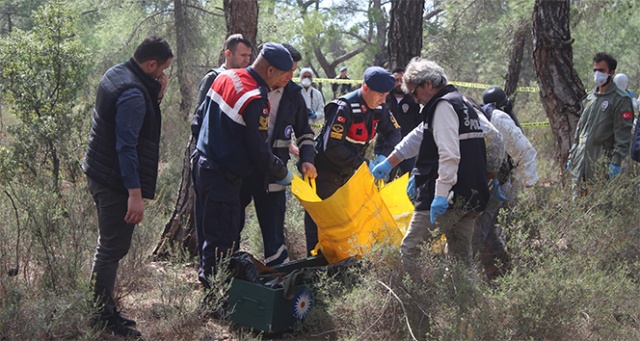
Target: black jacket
(292, 117)
(407, 114)
(101, 159)
(349, 128)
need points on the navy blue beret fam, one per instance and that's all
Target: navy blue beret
(344, 68)
(379, 79)
(278, 56)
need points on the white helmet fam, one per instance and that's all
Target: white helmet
(621, 80)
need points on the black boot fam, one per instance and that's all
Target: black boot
(124, 321)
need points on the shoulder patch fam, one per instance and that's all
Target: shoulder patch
(337, 131)
(627, 115)
(338, 128)
(393, 120)
(341, 119)
(264, 123)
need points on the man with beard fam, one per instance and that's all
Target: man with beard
(407, 113)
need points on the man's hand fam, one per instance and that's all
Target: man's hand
(308, 169)
(439, 205)
(294, 150)
(411, 188)
(382, 170)
(286, 181)
(496, 191)
(163, 80)
(614, 170)
(135, 207)
(376, 161)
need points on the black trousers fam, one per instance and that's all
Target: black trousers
(270, 209)
(218, 214)
(114, 241)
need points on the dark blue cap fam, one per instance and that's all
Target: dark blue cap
(379, 79)
(344, 68)
(278, 56)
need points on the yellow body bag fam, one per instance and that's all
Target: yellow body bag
(357, 216)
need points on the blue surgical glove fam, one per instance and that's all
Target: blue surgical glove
(439, 205)
(411, 188)
(496, 192)
(569, 165)
(376, 161)
(286, 180)
(382, 170)
(613, 171)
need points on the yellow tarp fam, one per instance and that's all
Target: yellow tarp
(357, 216)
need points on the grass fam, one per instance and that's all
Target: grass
(576, 272)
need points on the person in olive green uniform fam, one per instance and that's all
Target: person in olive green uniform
(604, 128)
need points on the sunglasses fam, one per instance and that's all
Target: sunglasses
(413, 92)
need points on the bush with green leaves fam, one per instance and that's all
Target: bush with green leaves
(42, 72)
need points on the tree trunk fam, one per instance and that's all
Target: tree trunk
(560, 87)
(381, 57)
(519, 42)
(241, 17)
(405, 32)
(184, 49)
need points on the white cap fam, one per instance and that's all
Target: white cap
(621, 80)
(306, 70)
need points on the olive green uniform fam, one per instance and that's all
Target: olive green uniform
(604, 130)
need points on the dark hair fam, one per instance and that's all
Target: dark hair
(398, 70)
(153, 48)
(233, 40)
(295, 54)
(611, 62)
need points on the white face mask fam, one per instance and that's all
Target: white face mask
(600, 78)
(305, 82)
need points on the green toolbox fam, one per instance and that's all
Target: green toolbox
(268, 309)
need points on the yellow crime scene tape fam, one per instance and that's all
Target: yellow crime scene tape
(535, 124)
(459, 84)
(523, 125)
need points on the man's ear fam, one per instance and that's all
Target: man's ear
(270, 71)
(151, 65)
(227, 53)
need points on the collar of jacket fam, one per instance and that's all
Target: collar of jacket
(151, 84)
(445, 90)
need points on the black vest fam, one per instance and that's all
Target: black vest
(471, 191)
(101, 160)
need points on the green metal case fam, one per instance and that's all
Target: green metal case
(266, 309)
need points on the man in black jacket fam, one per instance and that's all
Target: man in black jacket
(351, 123)
(121, 163)
(288, 115)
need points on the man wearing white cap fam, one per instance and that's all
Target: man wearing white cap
(312, 96)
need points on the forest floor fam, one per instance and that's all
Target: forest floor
(157, 320)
